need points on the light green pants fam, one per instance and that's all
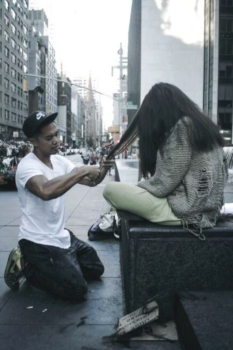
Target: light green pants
(138, 201)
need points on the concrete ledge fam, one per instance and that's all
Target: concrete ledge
(158, 261)
(204, 320)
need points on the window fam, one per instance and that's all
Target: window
(24, 68)
(6, 51)
(7, 114)
(6, 20)
(6, 83)
(13, 43)
(6, 99)
(6, 5)
(226, 47)
(20, 64)
(20, 79)
(20, 8)
(6, 35)
(13, 102)
(25, 43)
(230, 25)
(25, 56)
(14, 2)
(226, 25)
(25, 30)
(6, 67)
(13, 73)
(13, 14)
(25, 4)
(13, 117)
(13, 29)
(229, 47)
(19, 105)
(13, 87)
(13, 58)
(226, 3)
(229, 72)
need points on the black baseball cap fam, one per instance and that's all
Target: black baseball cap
(35, 121)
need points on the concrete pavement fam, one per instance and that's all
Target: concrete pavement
(52, 323)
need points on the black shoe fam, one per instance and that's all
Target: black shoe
(96, 234)
(99, 235)
(14, 273)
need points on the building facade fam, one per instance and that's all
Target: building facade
(87, 88)
(225, 70)
(160, 50)
(51, 81)
(13, 67)
(64, 119)
(218, 65)
(42, 81)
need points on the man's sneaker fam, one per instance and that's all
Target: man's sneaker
(13, 273)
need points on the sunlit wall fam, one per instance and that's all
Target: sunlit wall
(172, 38)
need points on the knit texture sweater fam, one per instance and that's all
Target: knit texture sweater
(192, 181)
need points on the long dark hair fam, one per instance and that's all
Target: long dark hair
(161, 108)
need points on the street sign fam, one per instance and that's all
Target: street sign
(129, 106)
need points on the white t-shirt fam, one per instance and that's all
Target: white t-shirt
(42, 221)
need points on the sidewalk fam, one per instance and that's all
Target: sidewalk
(60, 326)
(54, 324)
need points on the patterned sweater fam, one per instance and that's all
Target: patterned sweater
(193, 182)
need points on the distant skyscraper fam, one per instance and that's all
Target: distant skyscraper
(218, 64)
(43, 92)
(86, 89)
(64, 119)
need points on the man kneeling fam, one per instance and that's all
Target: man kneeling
(50, 256)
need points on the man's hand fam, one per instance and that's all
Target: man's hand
(94, 172)
(90, 172)
(107, 163)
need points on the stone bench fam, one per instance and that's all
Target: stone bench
(159, 261)
(204, 320)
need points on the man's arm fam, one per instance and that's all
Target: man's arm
(106, 165)
(46, 189)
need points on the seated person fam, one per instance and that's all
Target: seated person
(181, 160)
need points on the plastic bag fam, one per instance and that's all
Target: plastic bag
(104, 228)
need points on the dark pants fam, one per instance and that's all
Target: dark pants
(61, 271)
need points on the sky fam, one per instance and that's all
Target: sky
(86, 35)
